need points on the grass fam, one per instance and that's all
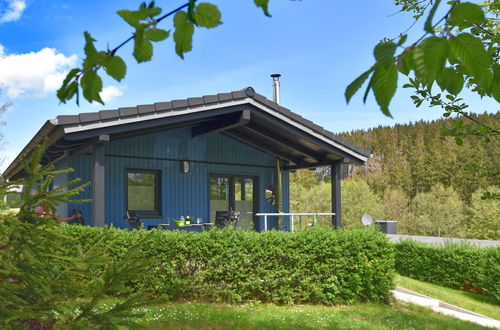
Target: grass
(484, 305)
(262, 316)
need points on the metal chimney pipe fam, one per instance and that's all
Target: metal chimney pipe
(276, 87)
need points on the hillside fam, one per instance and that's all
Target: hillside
(416, 156)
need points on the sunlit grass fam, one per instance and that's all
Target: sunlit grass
(263, 316)
(484, 305)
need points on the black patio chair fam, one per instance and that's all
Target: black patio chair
(79, 220)
(226, 218)
(134, 221)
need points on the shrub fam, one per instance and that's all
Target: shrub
(490, 274)
(456, 266)
(315, 266)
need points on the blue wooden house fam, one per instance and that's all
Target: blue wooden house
(197, 155)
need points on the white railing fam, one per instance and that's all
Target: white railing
(291, 217)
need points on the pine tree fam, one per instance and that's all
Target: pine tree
(46, 280)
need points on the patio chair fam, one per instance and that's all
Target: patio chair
(226, 218)
(134, 221)
(79, 217)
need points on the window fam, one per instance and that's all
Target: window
(143, 192)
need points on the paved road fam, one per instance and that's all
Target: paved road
(440, 241)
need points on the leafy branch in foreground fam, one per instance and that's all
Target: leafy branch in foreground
(460, 49)
(145, 22)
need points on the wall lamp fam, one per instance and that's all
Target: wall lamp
(185, 166)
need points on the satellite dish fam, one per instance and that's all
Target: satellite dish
(367, 219)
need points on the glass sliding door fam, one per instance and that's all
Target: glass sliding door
(234, 192)
(244, 201)
(219, 195)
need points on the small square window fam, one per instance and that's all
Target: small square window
(143, 192)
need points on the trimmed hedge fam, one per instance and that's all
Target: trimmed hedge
(456, 266)
(317, 266)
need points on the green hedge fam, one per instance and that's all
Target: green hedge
(456, 266)
(317, 266)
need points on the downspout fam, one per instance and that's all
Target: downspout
(279, 185)
(279, 192)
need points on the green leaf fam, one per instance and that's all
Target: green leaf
(190, 11)
(496, 91)
(405, 61)
(115, 67)
(66, 92)
(402, 40)
(67, 89)
(129, 17)
(367, 91)
(384, 83)
(496, 72)
(156, 34)
(183, 35)
(207, 15)
(72, 74)
(91, 86)
(430, 58)
(470, 51)
(134, 18)
(465, 14)
(91, 54)
(384, 52)
(356, 85)
(143, 48)
(428, 22)
(450, 80)
(264, 4)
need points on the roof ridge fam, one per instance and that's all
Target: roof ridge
(200, 101)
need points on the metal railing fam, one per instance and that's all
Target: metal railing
(291, 217)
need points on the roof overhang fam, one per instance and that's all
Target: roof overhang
(242, 115)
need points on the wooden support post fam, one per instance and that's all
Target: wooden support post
(98, 182)
(336, 195)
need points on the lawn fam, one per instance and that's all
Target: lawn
(262, 316)
(484, 305)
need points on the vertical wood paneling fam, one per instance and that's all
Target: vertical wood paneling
(180, 192)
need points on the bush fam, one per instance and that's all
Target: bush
(315, 266)
(490, 274)
(455, 266)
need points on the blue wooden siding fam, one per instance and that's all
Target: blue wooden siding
(210, 154)
(83, 170)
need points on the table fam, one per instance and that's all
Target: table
(166, 226)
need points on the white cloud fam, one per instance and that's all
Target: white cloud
(13, 11)
(34, 73)
(110, 93)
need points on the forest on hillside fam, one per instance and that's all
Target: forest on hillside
(417, 176)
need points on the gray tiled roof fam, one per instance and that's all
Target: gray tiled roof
(206, 100)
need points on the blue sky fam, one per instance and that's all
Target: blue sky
(319, 47)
